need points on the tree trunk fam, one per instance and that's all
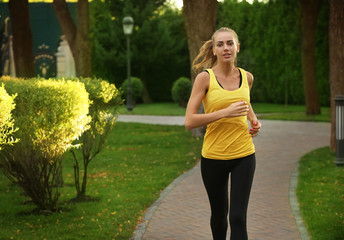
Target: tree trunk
(310, 11)
(83, 46)
(200, 21)
(77, 36)
(336, 56)
(22, 38)
(146, 98)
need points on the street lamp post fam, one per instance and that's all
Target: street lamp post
(339, 130)
(128, 24)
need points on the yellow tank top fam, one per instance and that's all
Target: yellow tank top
(227, 138)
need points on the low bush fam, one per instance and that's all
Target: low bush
(136, 86)
(181, 90)
(50, 115)
(106, 98)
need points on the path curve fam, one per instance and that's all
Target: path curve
(182, 212)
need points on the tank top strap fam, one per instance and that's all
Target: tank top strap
(212, 80)
(244, 77)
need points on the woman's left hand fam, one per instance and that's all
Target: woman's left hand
(255, 128)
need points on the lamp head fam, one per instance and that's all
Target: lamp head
(128, 25)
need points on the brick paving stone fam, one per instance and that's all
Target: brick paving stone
(184, 213)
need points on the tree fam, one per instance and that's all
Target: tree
(22, 38)
(310, 11)
(77, 35)
(159, 53)
(336, 55)
(200, 21)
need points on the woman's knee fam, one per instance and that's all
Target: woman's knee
(237, 219)
(219, 214)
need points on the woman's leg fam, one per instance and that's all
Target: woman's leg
(215, 178)
(241, 182)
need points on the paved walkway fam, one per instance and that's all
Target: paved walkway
(182, 212)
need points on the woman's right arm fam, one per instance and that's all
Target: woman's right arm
(193, 119)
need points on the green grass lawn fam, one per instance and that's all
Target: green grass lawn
(290, 112)
(320, 192)
(138, 162)
(263, 110)
(163, 109)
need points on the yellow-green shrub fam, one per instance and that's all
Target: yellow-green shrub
(50, 115)
(6, 120)
(106, 98)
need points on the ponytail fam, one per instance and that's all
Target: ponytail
(206, 52)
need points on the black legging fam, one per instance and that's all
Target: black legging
(215, 175)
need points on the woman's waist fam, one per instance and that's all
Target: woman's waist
(227, 130)
(233, 123)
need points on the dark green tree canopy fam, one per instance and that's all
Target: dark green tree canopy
(269, 33)
(159, 53)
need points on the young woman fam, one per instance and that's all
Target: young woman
(227, 149)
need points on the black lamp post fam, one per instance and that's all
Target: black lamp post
(339, 130)
(128, 24)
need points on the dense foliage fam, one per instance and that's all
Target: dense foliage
(269, 33)
(270, 41)
(105, 99)
(50, 115)
(159, 53)
(6, 121)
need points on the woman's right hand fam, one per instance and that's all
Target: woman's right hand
(236, 109)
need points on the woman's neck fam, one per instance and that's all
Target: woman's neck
(224, 69)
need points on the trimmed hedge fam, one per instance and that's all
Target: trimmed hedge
(270, 48)
(50, 114)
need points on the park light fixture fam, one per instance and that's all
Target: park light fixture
(339, 130)
(128, 25)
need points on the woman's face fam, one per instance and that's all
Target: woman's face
(225, 46)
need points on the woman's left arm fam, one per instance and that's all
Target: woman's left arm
(251, 116)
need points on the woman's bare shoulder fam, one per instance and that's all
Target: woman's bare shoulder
(202, 81)
(249, 78)
(203, 77)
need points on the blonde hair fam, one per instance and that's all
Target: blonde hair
(205, 55)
